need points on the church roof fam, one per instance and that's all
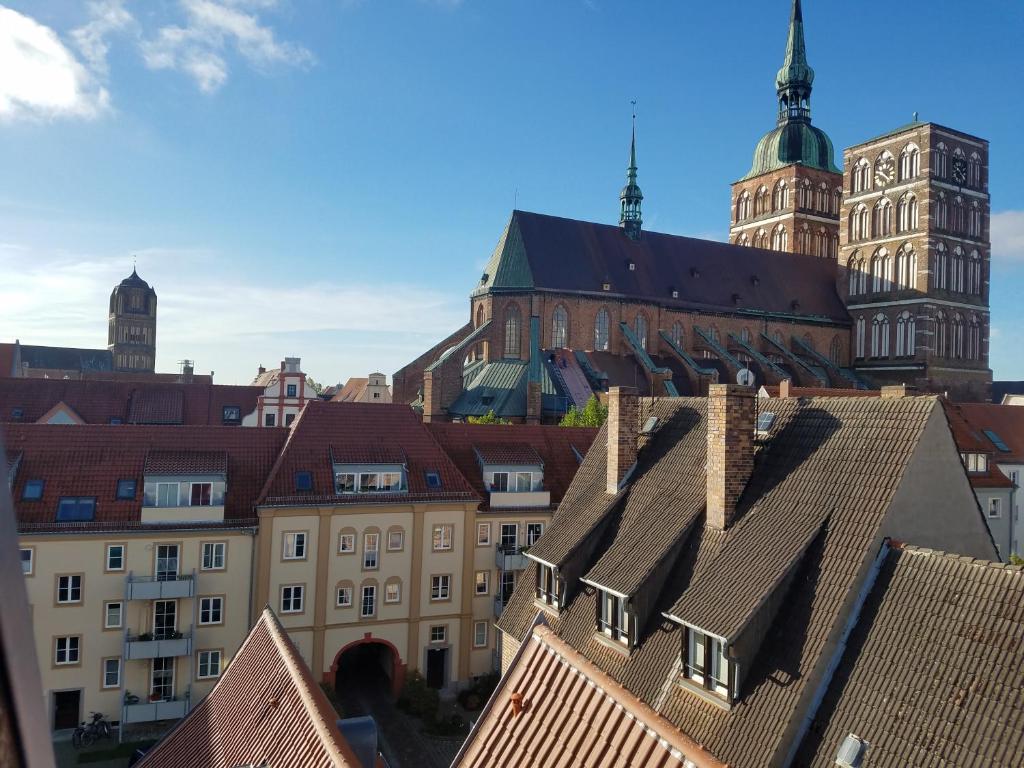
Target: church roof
(67, 358)
(134, 281)
(550, 253)
(793, 143)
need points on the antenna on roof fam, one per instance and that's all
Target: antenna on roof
(515, 200)
(915, 117)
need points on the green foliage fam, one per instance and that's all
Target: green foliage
(474, 697)
(317, 386)
(418, 699)
(1016, 560)
(489, 418)
(593, 415)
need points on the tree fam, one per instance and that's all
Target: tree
(593, 415)
(489, 418)
(317, 386)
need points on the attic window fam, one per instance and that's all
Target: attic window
(606, 286)
(303, 481)
(794, 305)
(755, 280)
(17, 413)
(433, 479)
(997, 441)
(649, 426)
(115, 420)
(612, 616)
(851, 752)
(231, 414)
(547, 588)
(483, 277)
(765, 422)
(975, 462)
(707, 662)
(632, 266)
(33, 490)
(76, 509)
(736, 298)
(126, 490)
(675, 293)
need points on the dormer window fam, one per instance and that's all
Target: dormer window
(975, 463)
(548, 587)
(707, 663)
(613, 619)
(231, 414)
(512, 482)
(378, 479)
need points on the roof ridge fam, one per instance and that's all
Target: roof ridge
(916, 551)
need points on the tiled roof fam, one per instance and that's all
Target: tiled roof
(369, 430)
(508, 454)
(550, 253)
(773, 391)
(88, 460)
(67, 358)
(573, 716)
(934, 671)
(556, 446)
(812, 512)
(186, 463)
(6, 359)
(266, 709)
(99, 401)
(350, 393)
(369, 452)
(1005, 421)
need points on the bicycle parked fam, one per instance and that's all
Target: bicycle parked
(87, 733)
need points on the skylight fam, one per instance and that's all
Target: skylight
(997, 441)
(649, 426)
(433, 479)
(765, 421)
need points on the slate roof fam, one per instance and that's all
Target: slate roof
(557, 447)
(500, 386)
(934, 670)
(186, 463)
(266, 709)
(367, 430)
(99, 401)
(549, 253)
(574, 716)
(88, 460)
(811, 515)
(67, 358)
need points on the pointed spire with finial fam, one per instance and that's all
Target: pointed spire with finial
(630, 219)
(796, 77)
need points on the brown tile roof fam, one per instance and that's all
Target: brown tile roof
(773, 391)
(364, 431)
(99, 401)
(1006, 421)
(811, 514)
(508, 454)
(186, 463)
(266, 709)
(88, 460)
(573, 715)
(558, 448)
(352, 390)
(6, 360)
(934, 670)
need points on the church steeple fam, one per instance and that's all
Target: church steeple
(795, 79)
(631, 197)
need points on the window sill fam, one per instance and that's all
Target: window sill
(609, 642)
(705, 694)
(546, 607)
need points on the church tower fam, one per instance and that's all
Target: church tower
(132, 325)
(630, 219)
(790, 198)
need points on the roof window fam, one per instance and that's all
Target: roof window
(606, 286)
(675, 293)
(17, 413)
(433, 478)
(851, 752)
(303, 481)
(632, 266)
(649, 426)
(76, 509)
(997, 441)
(126, 489)
(115, 420)
(33, 490)
(707, 662)
(765, 422)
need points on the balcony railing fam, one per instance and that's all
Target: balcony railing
(509, 558)
(499, 605)
(160, 587)
(151, 711)
(527, 499)
(148, 646)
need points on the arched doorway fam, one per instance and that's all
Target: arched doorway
(370, 663)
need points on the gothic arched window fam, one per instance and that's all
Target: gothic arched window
(835, 351)
(905, 334)
(858, 275)
(780, 241)
(559, 328)
(513, 331)
(940, 156)
(974, 220)
(959, 215)
(601, 325)
(837, 200)
(861, 176)
(859, 223)
(858, 338)
(640, 328)
(906, 267)
(761, 201)
(974, 273)
(906, 213)
(677, 334)
(881, 271)
(940, 334)
(880, 336)
(743, 206)
(780, 196)
(957, 272)
(941, 211)
(974, 170)
(479, 315)
(910, 162)
(956, 337)
(881, 218)
(974, 339)
(941, 267)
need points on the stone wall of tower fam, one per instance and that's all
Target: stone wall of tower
(808, 212)
(928, 275)
(131, 335)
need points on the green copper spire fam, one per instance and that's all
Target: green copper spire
(629, 218)
(793, 82)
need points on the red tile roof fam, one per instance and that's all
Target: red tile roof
(508, 454)
(99, 401)
(556, 446)
(266, 709)
(6, 360)
(369, 452)
(353, 388)
(88, 460)
(967, 420)
(573, 715)
(365, 431)
(186, 463)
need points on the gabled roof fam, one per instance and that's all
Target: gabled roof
(325, 431)
(88, 460)
(549, 253)
(266, 709)
(1004, 422)
(557, 447)
(67, 358)
(138, 402)
(508, 453)
(6, 359)
(574, 716)
(352, 390)
(186, 463)
(934, 670)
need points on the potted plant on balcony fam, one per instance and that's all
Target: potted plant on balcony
(155, 697)
(145, 637)
(175, 635)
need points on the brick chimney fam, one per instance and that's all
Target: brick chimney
(730, 450)
(622, 435)
(784, 388)
(262, 370)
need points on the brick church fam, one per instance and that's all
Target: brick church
(873, 274)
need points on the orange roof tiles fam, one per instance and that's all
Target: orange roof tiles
(266, 709)
(352, 390)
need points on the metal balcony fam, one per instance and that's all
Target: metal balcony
(510, 558)
(160, 588)
(151, 711)
(148, 647)
(500, 601)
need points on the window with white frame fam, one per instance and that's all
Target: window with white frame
(547, 588)
(393, 592)
(344, 596)
(201, 495)
(167, 494)
(396, 540)
(28, 555)
(66, 649)
(371, 551)
(295, 545)
(113, 615)
(441, 538)
(292, 598)
(440, 587)
(438, 633)
(482, 583)
(346, 543)
(115, 557)
(368, 606)
(533, 533)
(499, 482)
(612, 616)
(707, 662)
(112, 673)
(483, 534)
(207, 664)
(211, 610)
(995, 508)
(509, 536)
(69, 589)
(213, 555)
(602, 325)
(480, 631)
(976, 462)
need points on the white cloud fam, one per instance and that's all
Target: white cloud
(1007, 229)
(106, 18)
(211, 28)
(40, 77)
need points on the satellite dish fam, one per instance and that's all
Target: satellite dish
(745, 378)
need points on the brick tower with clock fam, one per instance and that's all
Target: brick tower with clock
(914, 259)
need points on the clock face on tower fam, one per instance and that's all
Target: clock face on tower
(959, 171)
(885, 171)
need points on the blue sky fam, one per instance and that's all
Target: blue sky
(326, 178)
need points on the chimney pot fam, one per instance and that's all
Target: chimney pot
(622, 435)
(517, 704)
(730, 456)
(894, 391)
(784, 388)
